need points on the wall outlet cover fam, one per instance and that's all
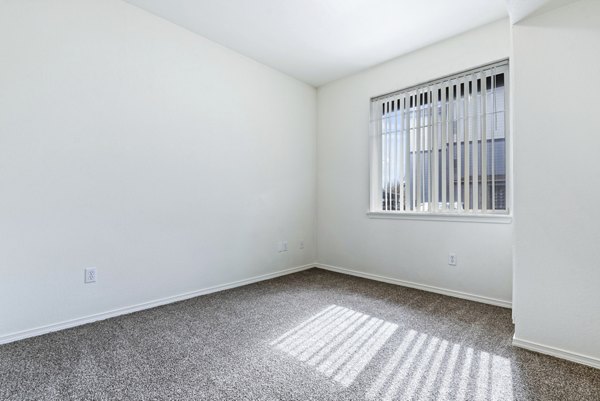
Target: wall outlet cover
(452, 259)
(90, 275)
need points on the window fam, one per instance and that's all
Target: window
(441, 147)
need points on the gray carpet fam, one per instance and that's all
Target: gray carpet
(313, 335)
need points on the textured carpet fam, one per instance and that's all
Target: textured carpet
(313, 335)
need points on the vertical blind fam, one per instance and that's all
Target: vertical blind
(442, 146)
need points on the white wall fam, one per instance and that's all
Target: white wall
(130, 144)
(415, 251)
(557, 193)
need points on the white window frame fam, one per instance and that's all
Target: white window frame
(376, 209)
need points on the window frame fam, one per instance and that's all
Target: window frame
(375, 209)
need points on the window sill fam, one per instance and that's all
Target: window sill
(463, 217)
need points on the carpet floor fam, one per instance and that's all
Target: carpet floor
(313, 335)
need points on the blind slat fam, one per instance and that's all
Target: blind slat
(493, 133)
(484, 199)
(401, 153)
(444, 145)
(396, 154)
(468, 129)
(407, 145)
(434, 154)
(451, 140)
(460, 138)
(419, 187)
(384, 156)
(389, 152)
(475, 120)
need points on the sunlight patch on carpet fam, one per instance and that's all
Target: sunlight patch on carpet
(340, 342)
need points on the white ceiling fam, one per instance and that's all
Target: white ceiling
(519, 9)
(318, 41)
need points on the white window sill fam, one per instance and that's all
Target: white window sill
(455, 217)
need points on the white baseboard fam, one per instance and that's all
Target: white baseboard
(424, 287)
(529, 345)
(557, 352)
(20, 335)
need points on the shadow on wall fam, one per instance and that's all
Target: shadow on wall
(340, 343)
(567, 18)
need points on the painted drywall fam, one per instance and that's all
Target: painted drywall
(130, 144)
(557, 268)
(415, 251)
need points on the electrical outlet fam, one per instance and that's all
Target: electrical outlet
(301, 244)
(90, 275)
(452, 259)
(282, 246)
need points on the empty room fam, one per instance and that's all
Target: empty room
(299, 200)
